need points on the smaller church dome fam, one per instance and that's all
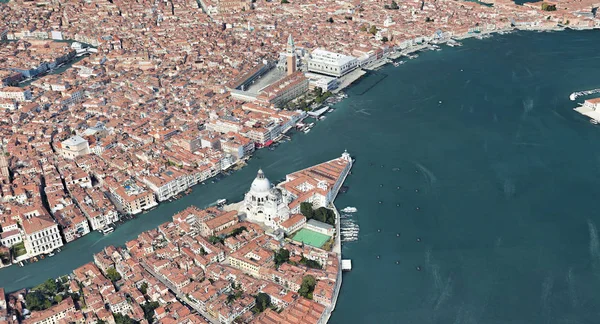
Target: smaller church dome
(260, 184)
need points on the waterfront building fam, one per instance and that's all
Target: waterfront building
(10, 237)
(264, 204)
(9, 78)
(218, 223)
(130, 196)
(318, 184)
(284, 90)
(41, 235)
(330, 63)
(326, 83)
(74, 146)
(320, 227)
(73, 223)
(291, 56)
(168, 183)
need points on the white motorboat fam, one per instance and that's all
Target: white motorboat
(350, 210)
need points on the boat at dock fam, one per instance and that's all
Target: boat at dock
(107, 230)
(350, 210)
(221, 202)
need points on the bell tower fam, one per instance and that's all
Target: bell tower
(291, 56)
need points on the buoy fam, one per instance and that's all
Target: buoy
(378, 230)
(418, 268)
(397, 205)
(418, 239)
(440, 101)
(380, 185)
(398, 187)
(380, 202)
(378, 257)
(382, 165)
(416, 171)
(418, 208)
(397, 262)
(397, 234)
(416, 190)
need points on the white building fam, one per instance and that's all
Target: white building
(41, 235)
(15, 93)
(329, 63)
(318, 185)
(74, 146)
(264, 203)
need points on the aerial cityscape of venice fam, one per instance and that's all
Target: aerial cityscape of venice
(299, 161)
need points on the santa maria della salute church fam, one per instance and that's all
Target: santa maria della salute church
(318, 185)
(264, 203)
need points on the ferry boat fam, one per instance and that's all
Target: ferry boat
(107, 230)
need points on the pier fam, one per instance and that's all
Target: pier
(346, 265)
(319, 112)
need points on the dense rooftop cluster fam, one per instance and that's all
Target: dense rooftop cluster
(152, 112)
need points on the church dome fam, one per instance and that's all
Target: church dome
(260, 184)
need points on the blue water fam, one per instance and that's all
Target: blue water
(503, 172)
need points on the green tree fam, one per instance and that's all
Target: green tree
(215, 239)
(149, 310)
(58, 299)
(310, 263)
(394, 5)
(282, 256)
(123, 319)
(308, 286)
(307, 210)
(113, 275)
(144, 288)
(36, 301)
(373, 30)
(363, 28)
(330, 20)
(237, 231)
(384, 39)
(317, 91)
(284, 1)
(263, 301)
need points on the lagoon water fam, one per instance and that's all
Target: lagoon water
(493, 171)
